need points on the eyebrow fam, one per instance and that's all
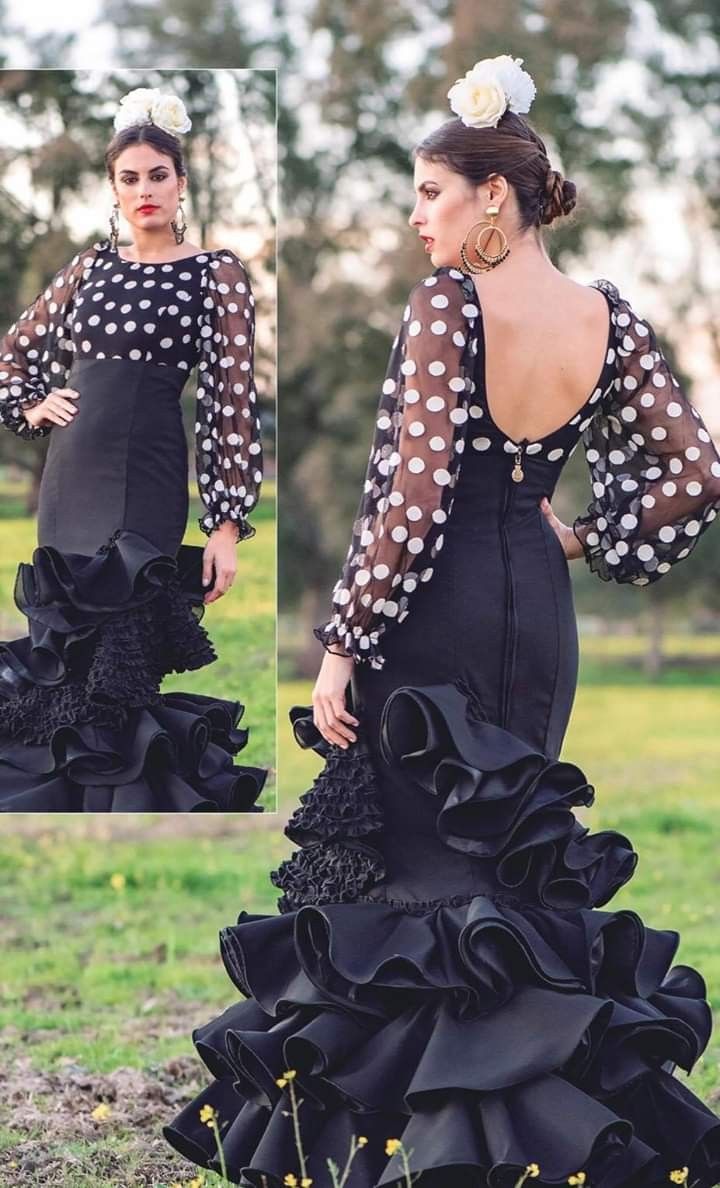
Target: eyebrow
(153, 170)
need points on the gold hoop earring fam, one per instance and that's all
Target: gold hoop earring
(115, 226)
(487, 259)
(179, 228)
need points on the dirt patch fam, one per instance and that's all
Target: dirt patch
(60, 1142)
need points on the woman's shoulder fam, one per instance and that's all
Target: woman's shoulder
(445, 293)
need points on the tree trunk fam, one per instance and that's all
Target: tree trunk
(654, 654)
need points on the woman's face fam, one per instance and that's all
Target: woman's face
(446, 206)
(147, 187)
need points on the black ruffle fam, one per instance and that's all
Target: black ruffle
(83, 725)
(502, 799)
(334, 825)
(487, 1034)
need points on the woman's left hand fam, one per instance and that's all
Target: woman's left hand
(569, 541)
(220, 560)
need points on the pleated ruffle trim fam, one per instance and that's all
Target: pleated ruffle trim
(486, 1035)
(83, 725)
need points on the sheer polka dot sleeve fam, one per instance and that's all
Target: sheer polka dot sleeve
(412, 469)
(227, 430)
(37, 352)
(654, 468)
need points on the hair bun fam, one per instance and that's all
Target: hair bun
(560, 196)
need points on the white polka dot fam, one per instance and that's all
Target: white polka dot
(481, 443)
(416, 465)
(674, 409)
(437, 367)
(436, 443)
(441, 477)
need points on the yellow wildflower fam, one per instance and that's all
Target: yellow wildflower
(290, 1181)
(392, 1145)
(197, 1182)
(101, 1112)
(532, 1170)
(362, 1141)
(207, 1115)
(578, 1178)
(680, 1175)
(306, 1182)
(117, 881)
(288, 1075)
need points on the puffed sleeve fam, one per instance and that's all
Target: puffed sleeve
(412, 469)
(227, 430)
(37, 352)
(654, 469)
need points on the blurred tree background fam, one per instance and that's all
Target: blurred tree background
(55, 197)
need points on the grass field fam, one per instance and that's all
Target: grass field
(241, 625)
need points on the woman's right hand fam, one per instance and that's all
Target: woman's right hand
(56, 409)
(330, 715)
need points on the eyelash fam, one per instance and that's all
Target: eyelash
(431, 193)
(157, 177)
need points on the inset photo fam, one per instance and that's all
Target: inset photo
(137, 392)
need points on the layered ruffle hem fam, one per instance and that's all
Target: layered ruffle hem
(515, 1026)
(83, 726)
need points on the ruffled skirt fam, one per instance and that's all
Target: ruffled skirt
(514, 1027)
(83, 725)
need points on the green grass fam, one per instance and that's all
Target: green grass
(101, 978)
(241, 626)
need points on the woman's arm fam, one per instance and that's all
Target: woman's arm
(654, 468)
(36, 354)
(412, 468)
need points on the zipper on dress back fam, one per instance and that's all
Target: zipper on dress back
(510, 632)
(518, 474)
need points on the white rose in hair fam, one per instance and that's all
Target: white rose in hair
(479, 102)
(489, 89)
(516, 82)
(135, 108)
(169, 113)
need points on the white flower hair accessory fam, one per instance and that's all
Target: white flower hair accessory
(489, 89)
(147, 105)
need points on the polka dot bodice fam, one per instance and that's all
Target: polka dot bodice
(197, 311)
(147, 312)
(655, 472)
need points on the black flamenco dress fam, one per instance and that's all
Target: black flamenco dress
(113, 598)
(442, 969)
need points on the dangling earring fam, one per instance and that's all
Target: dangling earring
(179, 228)
(114, 226)
(488, 259)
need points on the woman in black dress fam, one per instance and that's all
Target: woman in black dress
(113, 598)
(439, 971)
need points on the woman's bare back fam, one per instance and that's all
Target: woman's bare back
(544, 350)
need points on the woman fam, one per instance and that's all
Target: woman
(440, 973)
(113, 598)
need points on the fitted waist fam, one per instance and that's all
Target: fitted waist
(486, 494)
(119, 378)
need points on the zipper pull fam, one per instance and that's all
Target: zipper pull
(518, 474)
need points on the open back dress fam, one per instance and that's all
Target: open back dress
(441, 971)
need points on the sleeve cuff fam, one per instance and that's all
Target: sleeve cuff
(212, 520)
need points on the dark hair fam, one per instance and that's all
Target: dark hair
(512, 149)
(164, 142)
